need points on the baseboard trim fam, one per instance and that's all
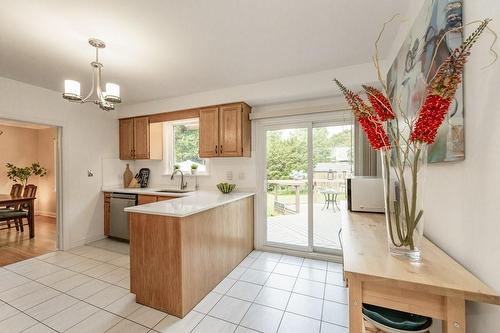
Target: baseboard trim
(84, 241)
(47, 214)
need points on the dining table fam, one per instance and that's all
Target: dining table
(9, 200)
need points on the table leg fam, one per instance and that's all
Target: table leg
(355, 306)
(455, 315)
(31, 218)
(326, 201)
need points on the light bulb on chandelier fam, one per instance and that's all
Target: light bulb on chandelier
(106, 100)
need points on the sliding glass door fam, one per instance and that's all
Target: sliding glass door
(332, 164)
(305, 167)
(287, 190)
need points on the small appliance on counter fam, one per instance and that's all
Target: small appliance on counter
(365, 194)
(143, 177)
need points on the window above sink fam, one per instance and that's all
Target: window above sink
(181, 147)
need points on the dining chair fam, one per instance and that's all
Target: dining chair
(15, 191)
(29, 192)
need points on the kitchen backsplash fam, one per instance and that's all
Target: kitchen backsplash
(241, 169)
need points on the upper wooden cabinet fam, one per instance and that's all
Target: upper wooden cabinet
(225, 131)
(139, 139)
(209, 132)
(127, 139)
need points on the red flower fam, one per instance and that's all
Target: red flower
(369, 122)
(380, 103)
(430, 117)
(375, 132)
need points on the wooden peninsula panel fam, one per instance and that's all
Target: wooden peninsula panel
(176, 261)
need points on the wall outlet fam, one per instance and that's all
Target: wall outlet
(229, 175)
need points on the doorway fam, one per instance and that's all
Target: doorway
(305, 166)
(29, 166)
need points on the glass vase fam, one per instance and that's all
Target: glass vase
(403, 172)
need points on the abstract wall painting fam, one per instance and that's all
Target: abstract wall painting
(413, 68)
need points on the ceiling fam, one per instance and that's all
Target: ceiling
(164, 48)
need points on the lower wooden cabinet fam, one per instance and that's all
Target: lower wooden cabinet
(141, 200)
(107, 211)
(145, 199)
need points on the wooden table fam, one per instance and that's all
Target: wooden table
(437, 287)
(8, 200)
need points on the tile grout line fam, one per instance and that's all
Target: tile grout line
(253, 302)
(246, 268)
(291, 292)
(81, 300)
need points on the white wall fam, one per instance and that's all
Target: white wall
(312, 90)
(294, 88)
(88, 136)
(461, 202)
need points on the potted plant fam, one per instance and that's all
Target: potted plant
(194, 168)
(21, 175)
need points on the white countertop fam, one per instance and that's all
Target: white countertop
(146, 191)
(194, 203)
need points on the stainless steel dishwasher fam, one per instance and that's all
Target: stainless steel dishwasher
(119, 226)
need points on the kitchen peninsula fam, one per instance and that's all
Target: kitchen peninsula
(180, 249)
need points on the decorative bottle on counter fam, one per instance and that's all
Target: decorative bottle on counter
(127, 176)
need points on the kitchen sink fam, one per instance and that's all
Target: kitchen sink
(175, 191)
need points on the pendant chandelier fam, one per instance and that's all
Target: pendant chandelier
(105, 99)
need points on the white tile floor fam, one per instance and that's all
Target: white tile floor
(87, 290)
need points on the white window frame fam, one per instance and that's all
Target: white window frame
(168, 148)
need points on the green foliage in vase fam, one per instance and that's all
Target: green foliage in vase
(22, 174)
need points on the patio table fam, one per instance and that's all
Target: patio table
(330, 197)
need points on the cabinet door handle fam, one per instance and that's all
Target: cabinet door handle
(216, 149)
(220, 150)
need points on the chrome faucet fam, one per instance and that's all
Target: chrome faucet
(183, 184)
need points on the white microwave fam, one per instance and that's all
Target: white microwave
(365, 194)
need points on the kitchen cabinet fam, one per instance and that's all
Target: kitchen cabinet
(127, 139)
(209, 132)
(140, 140)
(176, 261)
(107, 212)
(141, 199)
(145, 199)
(225, 131)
